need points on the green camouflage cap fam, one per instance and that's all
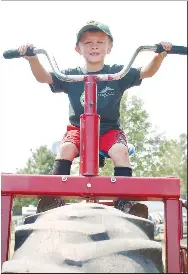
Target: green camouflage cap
(94, 25)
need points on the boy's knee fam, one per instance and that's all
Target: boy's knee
(120, 155)
(118, 150)
(67, 151)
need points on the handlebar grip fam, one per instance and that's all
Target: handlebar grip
(174, 50)
(14, 53)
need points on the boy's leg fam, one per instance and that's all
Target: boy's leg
(115, 144)
(69, 149)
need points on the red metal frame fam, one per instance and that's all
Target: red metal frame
(89, 130)
(89, 185)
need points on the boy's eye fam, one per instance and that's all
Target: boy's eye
(89, 42)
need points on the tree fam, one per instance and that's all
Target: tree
(174, 160)
(40, 162)
(139, 132)
(155, 155)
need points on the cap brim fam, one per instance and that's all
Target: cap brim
(88, 27)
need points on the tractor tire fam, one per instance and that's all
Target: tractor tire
(85, 238)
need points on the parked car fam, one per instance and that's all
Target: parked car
(156, 215)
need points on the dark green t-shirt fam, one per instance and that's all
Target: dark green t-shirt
(109, 95)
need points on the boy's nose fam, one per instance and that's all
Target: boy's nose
(94, 46)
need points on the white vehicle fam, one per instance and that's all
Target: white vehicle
(28, 210)
(156, 215)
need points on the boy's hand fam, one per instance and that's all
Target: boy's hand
(167, 47)
(22, 50)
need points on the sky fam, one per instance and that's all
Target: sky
(31, 115)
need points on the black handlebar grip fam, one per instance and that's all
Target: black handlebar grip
(14, 53)
(174, 50)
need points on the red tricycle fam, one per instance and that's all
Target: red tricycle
(89, 184)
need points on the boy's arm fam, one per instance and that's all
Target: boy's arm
(149, 70)
(39, 72)
(37, 69)
(44, 76)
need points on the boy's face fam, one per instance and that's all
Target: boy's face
(94, 46)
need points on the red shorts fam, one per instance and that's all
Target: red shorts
(106, 141)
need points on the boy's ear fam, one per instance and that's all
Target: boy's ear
(110, 48)
(77, 48)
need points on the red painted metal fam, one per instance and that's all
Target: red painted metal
(89, 145)
(89, 130)
(90, 95)
(101, 187)
(172, 235)
(6, 207)
(181, 218)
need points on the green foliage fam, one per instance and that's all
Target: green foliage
(40, 162)
(156, 156)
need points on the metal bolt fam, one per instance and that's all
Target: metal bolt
(113, 179)
(64, 179)
(88, 185)
(91, 103)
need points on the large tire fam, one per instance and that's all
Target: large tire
(85, 238)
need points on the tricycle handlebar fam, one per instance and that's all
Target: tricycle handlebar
(99, 77)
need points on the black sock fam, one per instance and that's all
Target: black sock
(123, 171)
(123, 205)
(62, 167)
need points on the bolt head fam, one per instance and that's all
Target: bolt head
(113, 179)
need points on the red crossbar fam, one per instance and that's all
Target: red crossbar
(101, 187)
(162, 188)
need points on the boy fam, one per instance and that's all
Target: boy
(94, 42)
